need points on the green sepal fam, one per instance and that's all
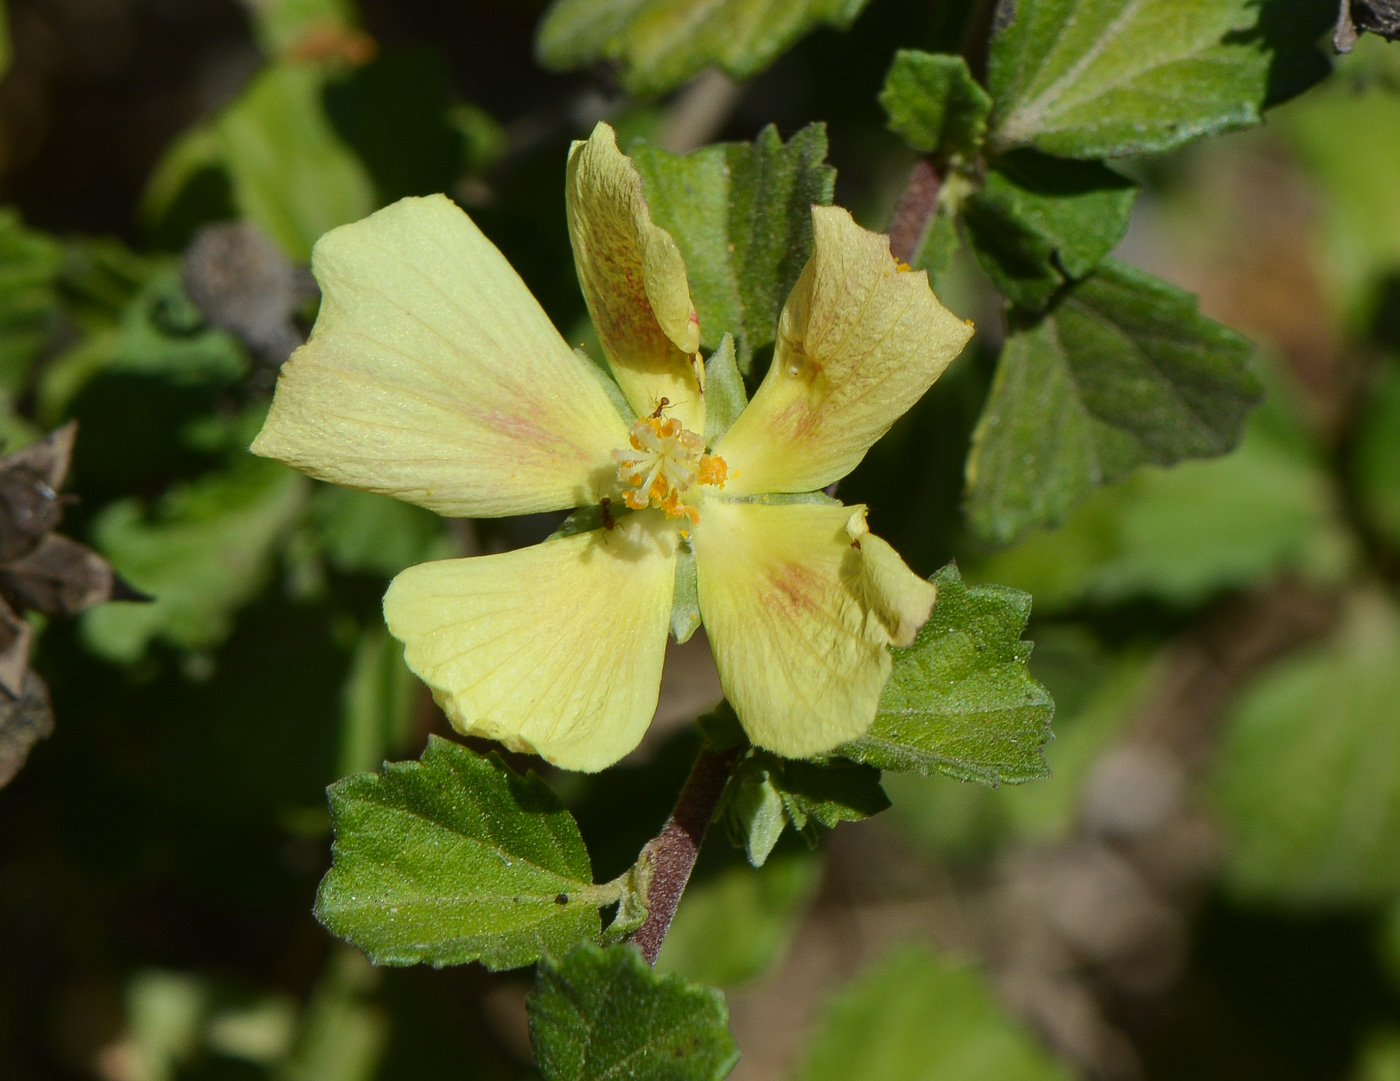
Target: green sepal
(753, 814)
(456, 858)
(722, 730)
(725, 397)
(766, 793)
(961, 701)
(1039, 222)
(782, 499)
(587, 519)
(935, 104)
(685, 601)
(603, 1014)
(1122, 371)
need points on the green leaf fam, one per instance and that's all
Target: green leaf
(140, 321)
(766, 793)
(162, 333)
(1040, 222)
(1375, 461)
(938, 249)
(1349, 143)
(290, 172)
(455, 858)
(341, 1035)
(1186, 534)
(202, 554)
(961, 700)
(919, 1017)
(374, 534)
(735, 925)
(721, 728)
(741, 214)
(1308, 777)
(935, 104)
(1121, 372)
(29, 266)
(604, 1015)
(1095, 695)
(1379, 1058)
(753, 815)
(1103, 78)
(377, 708)
(725, 397)
(659, 44)
(685, 599)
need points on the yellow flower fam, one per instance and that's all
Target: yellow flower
(433, 375)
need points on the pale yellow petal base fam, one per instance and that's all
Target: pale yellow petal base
(554, 649)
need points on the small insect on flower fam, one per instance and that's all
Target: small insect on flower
(422, 380)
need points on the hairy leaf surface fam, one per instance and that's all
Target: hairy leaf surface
(603, 1015)
(742, 216)
(1121, 372)
(935, 104)
(1040, 222)
(455, 858)
(1102, 78)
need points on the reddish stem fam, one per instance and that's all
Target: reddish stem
(915, 212)
(674, 850)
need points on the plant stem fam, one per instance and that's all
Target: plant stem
(674, 850)
(915, 212)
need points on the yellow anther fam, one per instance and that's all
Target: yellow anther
(668, 462)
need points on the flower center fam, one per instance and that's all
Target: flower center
(665, 461)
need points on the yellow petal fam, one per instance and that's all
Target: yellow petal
(899, 598)
(633, 278)
(859, 342)
(433, 375)
(797, 621)
(554, 649)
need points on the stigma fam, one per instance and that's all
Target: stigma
(665, 462)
